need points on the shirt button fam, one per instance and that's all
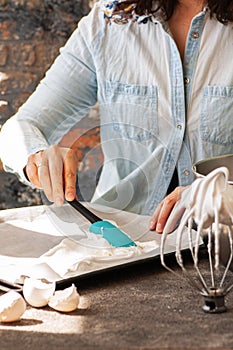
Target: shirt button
(195, 35)
(186, 172)
(179, 126)
(186, 80)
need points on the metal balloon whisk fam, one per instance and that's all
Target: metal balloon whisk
(206, 205)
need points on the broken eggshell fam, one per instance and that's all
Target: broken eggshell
(12, 306)
(65, 300)
(38, 291)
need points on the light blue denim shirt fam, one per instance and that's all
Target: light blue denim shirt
(157, 112)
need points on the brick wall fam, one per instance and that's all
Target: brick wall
(31, 33)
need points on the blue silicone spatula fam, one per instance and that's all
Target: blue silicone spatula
(110, 232)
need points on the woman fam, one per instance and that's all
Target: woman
(162, 74)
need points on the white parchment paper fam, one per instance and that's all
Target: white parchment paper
(55, 243)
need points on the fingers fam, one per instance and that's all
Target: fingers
(54, 171)
(155, 216)
(32, 168)
(163, 211)
(51, 175)
(174, 217)
(70, 175)
(45, 180)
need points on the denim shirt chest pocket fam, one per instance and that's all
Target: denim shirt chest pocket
(132, 110)
(216, 124)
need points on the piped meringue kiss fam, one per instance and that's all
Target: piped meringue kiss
(12, 307)
(66, 300)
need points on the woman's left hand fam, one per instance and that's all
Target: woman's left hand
(164, 209)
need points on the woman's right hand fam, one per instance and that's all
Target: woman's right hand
(54, 171)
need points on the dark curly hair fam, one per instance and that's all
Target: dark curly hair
(221, 9)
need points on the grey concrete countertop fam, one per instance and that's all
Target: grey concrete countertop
(141, 307)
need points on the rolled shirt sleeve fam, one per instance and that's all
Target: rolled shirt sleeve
(64, 96)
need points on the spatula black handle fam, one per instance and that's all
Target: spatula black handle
(84, 211)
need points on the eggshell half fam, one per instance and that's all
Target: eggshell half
(12, 307)
(37, 292)
(66, 300)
